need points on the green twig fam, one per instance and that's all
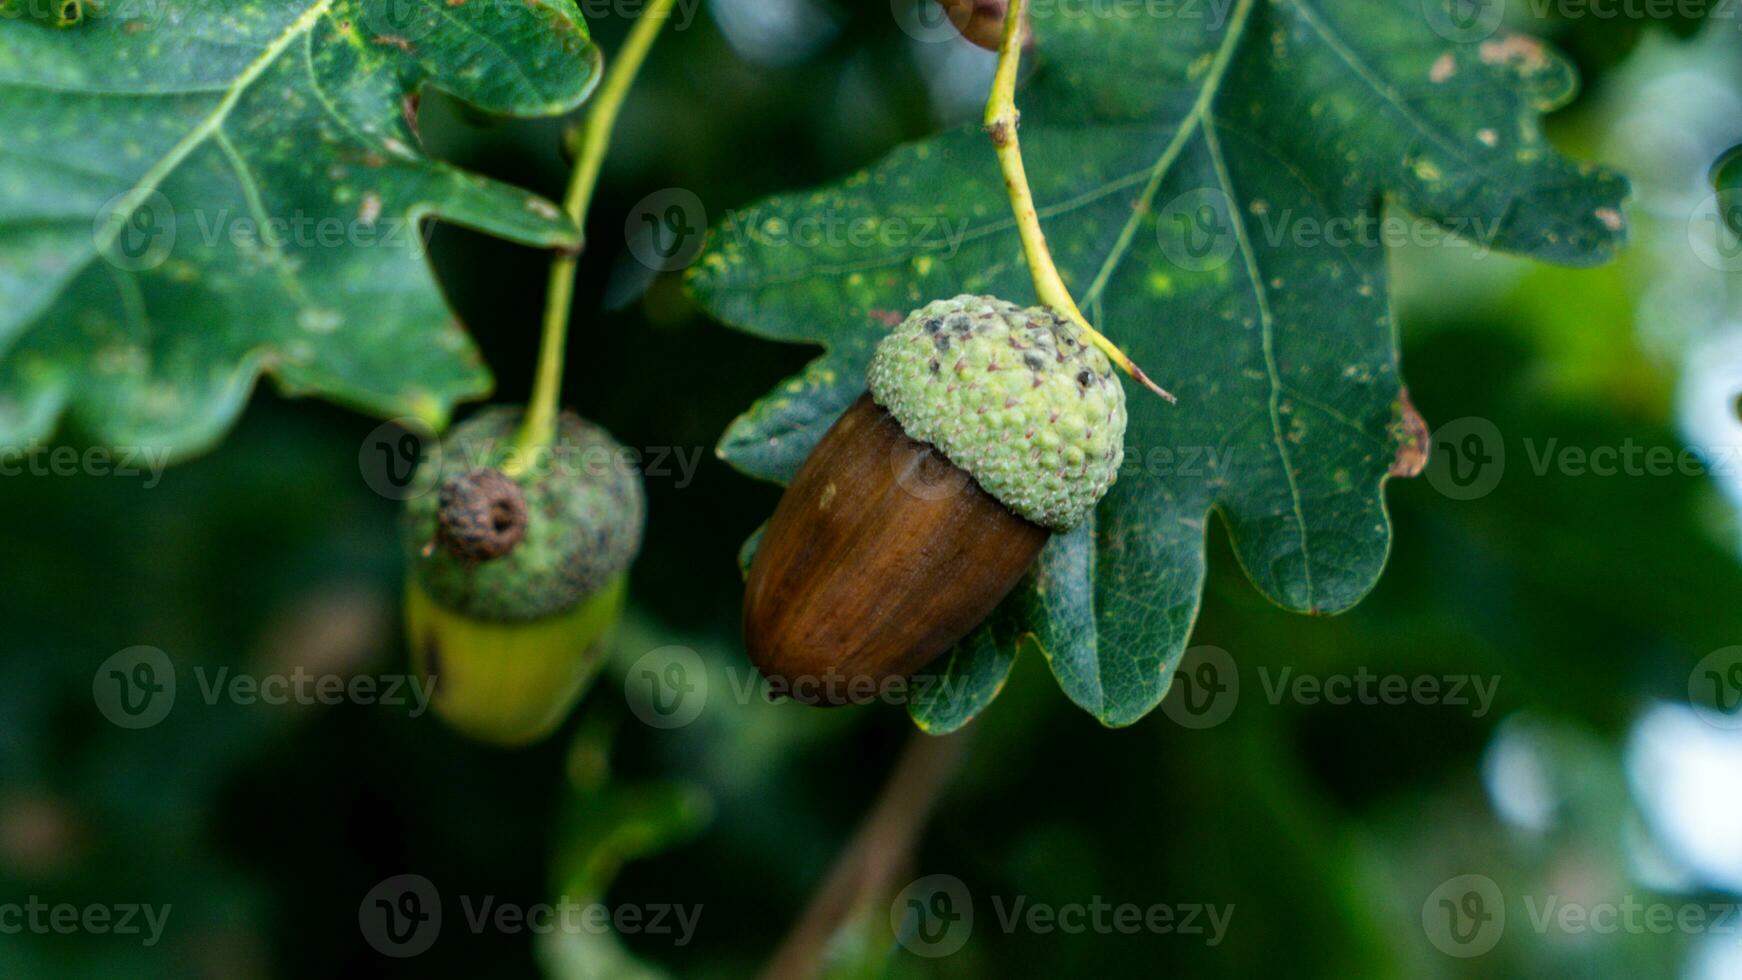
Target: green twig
(1001, 123)
(539, 428)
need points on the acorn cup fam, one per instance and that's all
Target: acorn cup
(986, 428)
(516, 581)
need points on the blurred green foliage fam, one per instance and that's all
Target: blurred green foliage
(1326, 827)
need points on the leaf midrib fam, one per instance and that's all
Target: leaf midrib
(153, 178)
(1194, 119)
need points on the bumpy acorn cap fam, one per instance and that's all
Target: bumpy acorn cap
(1012, 396)
(531, 546)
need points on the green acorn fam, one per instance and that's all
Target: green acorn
(517, 572)
(986, 428)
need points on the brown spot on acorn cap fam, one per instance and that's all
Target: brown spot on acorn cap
(481, 515)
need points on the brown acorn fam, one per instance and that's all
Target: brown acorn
(982, 21)
(986, 428)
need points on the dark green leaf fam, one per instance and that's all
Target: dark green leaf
(961, 683)
(1212, 192)
(193, 192)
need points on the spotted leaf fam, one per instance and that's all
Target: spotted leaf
(193, 192)
(1219, 193)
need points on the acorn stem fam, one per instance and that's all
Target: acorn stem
(1002, 119)
(539, 427)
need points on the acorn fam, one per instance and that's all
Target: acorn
(982, 21)
(517, 568)
(986, 428)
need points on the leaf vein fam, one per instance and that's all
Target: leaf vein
(1267, 333)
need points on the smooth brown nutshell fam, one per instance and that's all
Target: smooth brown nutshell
(882, 555)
